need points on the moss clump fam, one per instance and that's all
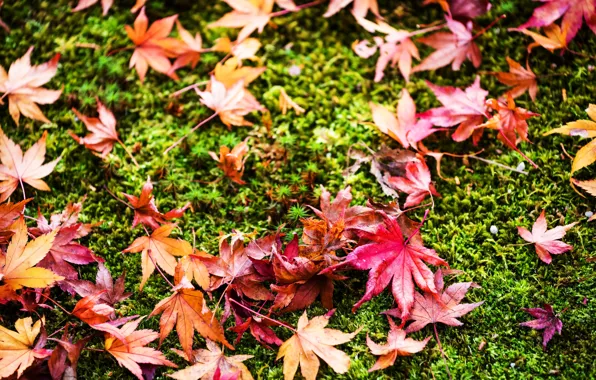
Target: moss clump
(334, 86)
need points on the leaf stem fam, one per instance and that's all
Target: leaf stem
(264, 316)
(128, 152)
(495, 21)
(187, 88)
(54, 302)
(442, 352)
(191, 131)
(116, 198)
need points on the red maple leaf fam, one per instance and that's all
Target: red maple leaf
(546, 320)
(111, 292)
(393, 258)
(546, 242)
(454, 48)
(146, 211)
(416, 183)
(572, 11)
(510, 121)
(466, 109)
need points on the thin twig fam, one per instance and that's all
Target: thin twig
(54, 302)
(116, 198)
(188, 134)
(442, 352)
(128, 152)
(264, 316)
(187, 88)
(481, 32)
(491, 162)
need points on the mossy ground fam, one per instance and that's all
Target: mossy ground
(334, 86)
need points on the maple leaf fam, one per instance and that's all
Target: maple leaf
(554, 39)
(234, 268)
(454, 48)
(111, 292)
(546, 242)
(19, 269)
(359, 10)
(572, 11)
(465, 10)
(584, 128)
(159, 249)
(228, 104)
(312, 339)
(153, 47)
(212, 360)
(132, 351)
(22, 84)
(466, 109)
(520, 79)
(193, 47)
(546, 320)
(404, 128)
(186, 308)
(231, 162)
(286, 103)
(146, 211)
(511, 120)
(397, 345)
(260, 328)
(195, 269)
(65, 356)
(138, 5)
(391, 255)
(18, 349)
(231, 72)
(416, 183)
(9, 212)
(444, 307)
(250, 15)
(102, 132)
(84, 4)
(18, 169)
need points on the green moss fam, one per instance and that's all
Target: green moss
(335, 87)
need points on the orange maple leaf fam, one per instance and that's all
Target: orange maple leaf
(187, 309)
(17, 168)
(18, 349)
(520, 79)
(232, 161)
(22, 84)
(153, 46)
(159, 249)
(131, 351)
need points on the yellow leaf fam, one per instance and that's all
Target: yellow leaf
(584, 157)
(16, 347)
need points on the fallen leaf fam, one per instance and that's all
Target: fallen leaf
(466, 109)
(250, 15)
(451, 48)
(146, 211)
(191, 53)
(153, 47)
(231, 162)
(131, 351)
(546, 320)
(511, 121)
(138, 5)
(65, 356)
(404, 128)
(416, 183)
(212, 360)
(186, 308)
(195, 269)
(520, 79)
(442, 308)
(19, 262)
(22, 84)
(18, 349)
(393, 255)
(83, 4)
(18, 169)
(360, 7)
(159, 249)
(9, 212)
(554, 39)
(572, 11)
(285, 103)
(546, 242)
(111, 293)
(397, 345)
(312, 339)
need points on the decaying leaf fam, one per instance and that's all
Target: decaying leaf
(231, 162)
(546, 242)
(17, 169)
(285, 103)
(22, 84)
(311, 340)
